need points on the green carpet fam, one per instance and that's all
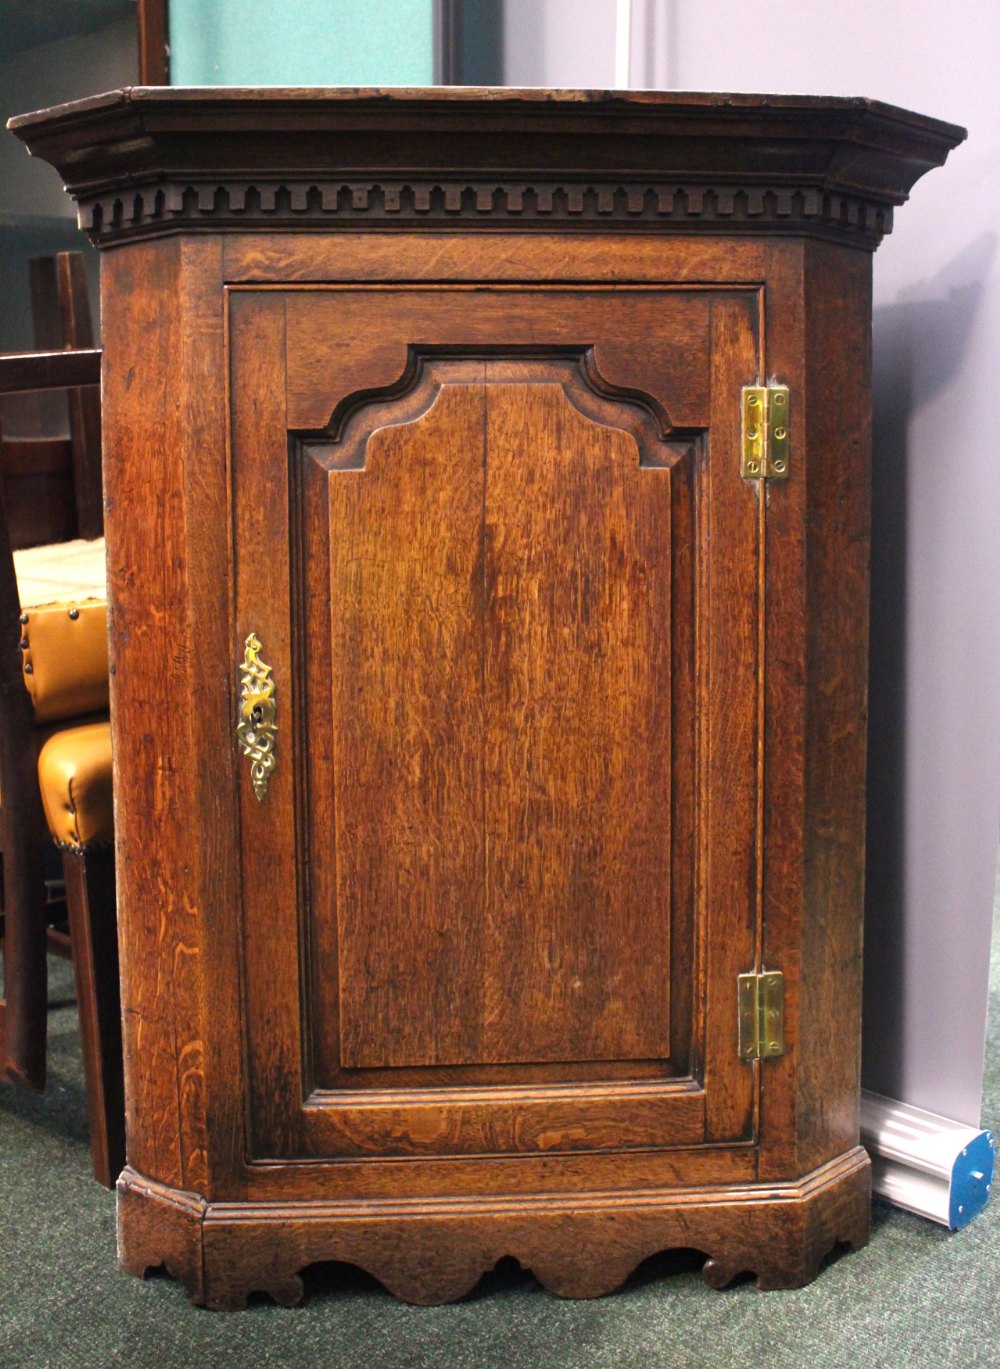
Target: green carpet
(915, 1297)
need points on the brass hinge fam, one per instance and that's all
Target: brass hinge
(762, 1015)
(765, 432)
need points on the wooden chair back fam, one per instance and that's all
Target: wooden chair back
(50, 443)
(50, 491)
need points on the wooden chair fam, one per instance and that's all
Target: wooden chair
(55, 753)
(51, 469)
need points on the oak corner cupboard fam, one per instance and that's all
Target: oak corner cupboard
(487, 526)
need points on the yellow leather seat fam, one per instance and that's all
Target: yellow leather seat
(64, 650)
(74, 771)
(65, 662)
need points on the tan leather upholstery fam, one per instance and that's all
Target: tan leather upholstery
(65, 657)
(64, 628)
(74, 771)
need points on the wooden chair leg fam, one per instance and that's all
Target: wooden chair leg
(90, 904)
(23, 839)
(23, 1011)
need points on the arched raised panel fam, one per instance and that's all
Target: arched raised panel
(408, 397)
(501, 578)
(505, 602)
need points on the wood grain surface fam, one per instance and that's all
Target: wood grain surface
(501, 675)
(149, 161)
(818, 336)
(570, 717)
(487, 890)
(496, 548)
(166, 486)
(426, 1252)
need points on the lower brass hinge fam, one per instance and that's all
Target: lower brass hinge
(764, 446)
(762, 1015)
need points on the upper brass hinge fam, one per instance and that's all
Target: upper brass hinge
(762, 1015)
(764, 449)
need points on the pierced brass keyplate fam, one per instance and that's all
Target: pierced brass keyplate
(256, 729)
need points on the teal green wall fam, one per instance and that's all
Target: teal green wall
(301, 42)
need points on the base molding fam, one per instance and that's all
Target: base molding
(430, 1251)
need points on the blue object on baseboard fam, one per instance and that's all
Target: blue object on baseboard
(971, 1177)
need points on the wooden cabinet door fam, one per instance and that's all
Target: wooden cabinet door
(500, 562)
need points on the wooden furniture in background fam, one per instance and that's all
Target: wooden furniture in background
(154, 42)
(50, 447)
(67, 745)
(55, 751)
(425, 426)
(61, 308)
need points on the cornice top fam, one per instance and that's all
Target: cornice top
(150, 160)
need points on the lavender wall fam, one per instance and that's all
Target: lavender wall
(935, 711)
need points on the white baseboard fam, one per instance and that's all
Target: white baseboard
(925, 1163)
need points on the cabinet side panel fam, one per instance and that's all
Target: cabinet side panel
(838, 441)
(166, 493)
(818, 340)
(784, 704)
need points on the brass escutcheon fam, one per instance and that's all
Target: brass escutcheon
(256, 728)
